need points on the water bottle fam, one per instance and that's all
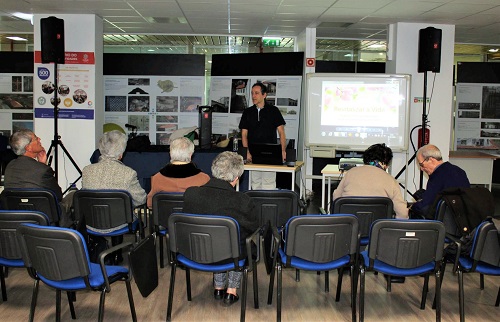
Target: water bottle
(235, 144)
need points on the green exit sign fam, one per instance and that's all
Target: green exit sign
(271, 42)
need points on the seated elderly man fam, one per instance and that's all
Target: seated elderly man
(218, 197)
(180, 173)
(442, 175)
(30, 170)
(111, 173)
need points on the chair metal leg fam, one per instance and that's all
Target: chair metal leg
(101, 305)
(361, 294)
(443, 269)
(271, 285)
(131, 301)
(438, 296)
(71, 306)
(481, 281)
(160, 241)
(278, 294)
(498, 298)
(389, 285)
(188, 283)
(2, 281)
(339, 284)
(461, 295)
(354, 286)
(244, 283)
(171, 292)
(297, 275)
(255, 287)
(58, 305)
(425, 290)
(327, 282)
(34, 297)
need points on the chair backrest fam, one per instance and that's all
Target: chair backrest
(9, 221)
(486, 244)
(406, 243)
(204, 239)
(275, 206)
(55, 253)
(321, 238)
(445, 215)
(367, 209)
(35, 199)
(103, 209)
(165, 204)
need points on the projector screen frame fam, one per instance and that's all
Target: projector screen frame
(314, 101)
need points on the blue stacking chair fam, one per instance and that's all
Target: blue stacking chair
(317, 243)
(483, 258)
(59, 258)
(211, 244)
(165, 204)
(10, 255)
(404, 248)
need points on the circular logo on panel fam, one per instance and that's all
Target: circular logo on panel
(41, 100)
(68, 102)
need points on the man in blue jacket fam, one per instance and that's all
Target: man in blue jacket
(442, 175)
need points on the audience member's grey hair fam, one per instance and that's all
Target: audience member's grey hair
(228, 166)
(19, 140)
(430, 151)
(181, 149)
(112, 144)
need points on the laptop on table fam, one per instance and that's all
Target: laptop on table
(266, 153)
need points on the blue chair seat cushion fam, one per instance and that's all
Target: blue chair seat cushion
(216, 267)
(314, 266)
(11, 262)
(96, 279)
(483, 268)
(384, 268)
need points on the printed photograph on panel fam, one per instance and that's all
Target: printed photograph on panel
(190, 103)
(28, 84)
(16, 126)
(240, 93)
(163, 138)
(468, 115)
(16, 101)
(141, 121)
(48, 87)
(286, 101)
(115, 104)
(17, 83)
(22, 116)
(138, 81)
(166, 127)
(469, 106)
(270, 101)
(271, 86)
(167, 119)
(63, 90)
(491, 102)
(221, 105)
(167, 103)
(166, 85)
(79, 96)
(490, 125)
(138, 103)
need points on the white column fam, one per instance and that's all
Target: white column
(80, 123)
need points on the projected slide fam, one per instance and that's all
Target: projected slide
(360, 104)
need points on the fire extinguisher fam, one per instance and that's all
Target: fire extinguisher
(426, 137)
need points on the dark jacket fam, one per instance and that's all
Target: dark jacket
(218, 197)
(25, 172)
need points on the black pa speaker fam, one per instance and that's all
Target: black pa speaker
(429, 50)
(205, 125)
(291, 157)
(52, 31)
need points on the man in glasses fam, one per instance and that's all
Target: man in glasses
(442, 175)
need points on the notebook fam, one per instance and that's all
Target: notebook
(266, 153)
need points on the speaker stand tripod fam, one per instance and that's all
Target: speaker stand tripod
(56, 141)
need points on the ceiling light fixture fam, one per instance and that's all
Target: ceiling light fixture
(16, 38)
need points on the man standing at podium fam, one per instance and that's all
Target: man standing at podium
(258, 125)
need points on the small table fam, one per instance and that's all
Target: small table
(275, 168)
(329, 171)
(478, 165)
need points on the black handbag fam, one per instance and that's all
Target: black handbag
(144, 266)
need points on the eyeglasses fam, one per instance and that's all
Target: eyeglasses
(421, 164)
